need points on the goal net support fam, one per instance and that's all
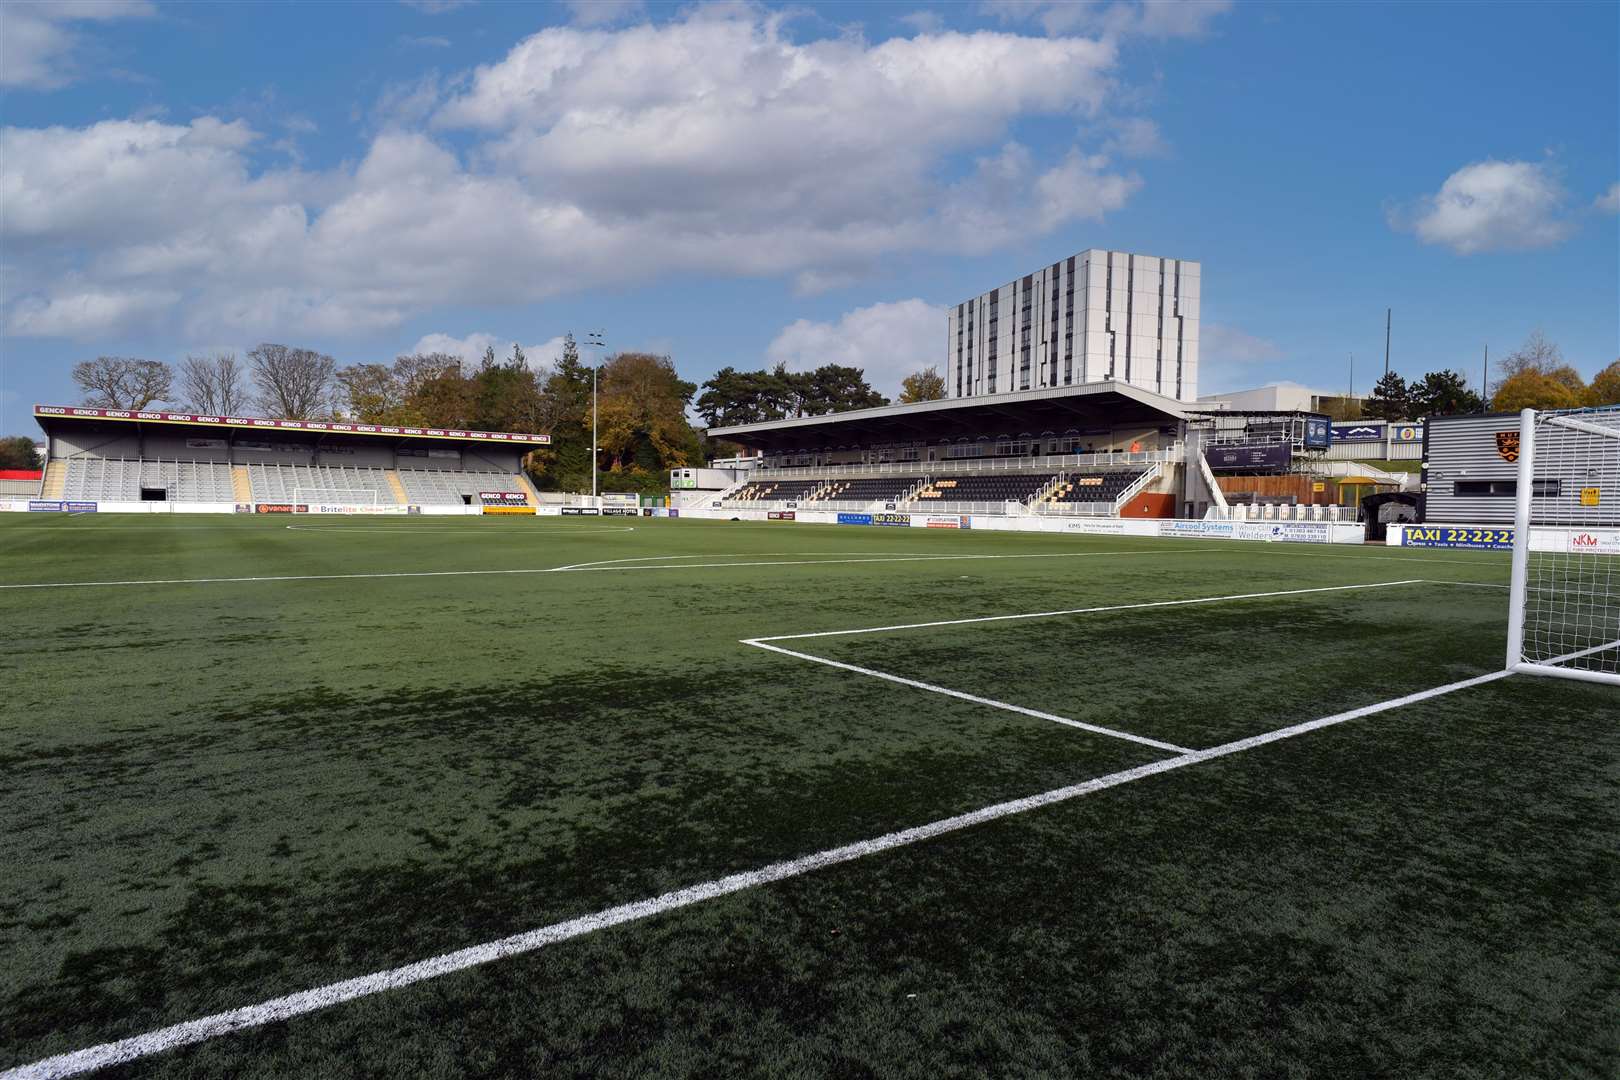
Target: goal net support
(309, 498)
(1564, 612)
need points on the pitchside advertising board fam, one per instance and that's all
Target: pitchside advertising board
(1363, 432)
(1457, 536)
(1267, 458)
(49, 506)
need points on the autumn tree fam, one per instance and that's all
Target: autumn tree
(292, 382)
(1605, 387)
(370, 393)
(642, 413)
(122, 382)
(924, 385)
(1534, 389)
(1536, 354)
(214, 384)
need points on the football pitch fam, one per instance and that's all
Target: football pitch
(512, 797)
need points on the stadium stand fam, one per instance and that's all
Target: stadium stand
(278, 483)
(994, 488)
(777, 491)
(434, 488)
(872, 489)
(1097, 487)
(123, 479)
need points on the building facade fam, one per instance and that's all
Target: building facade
(1095, 316)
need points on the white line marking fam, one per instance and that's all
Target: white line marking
(890, 559)
(545, 570)
(306, 1001)
(1084, 610)
(976, 699)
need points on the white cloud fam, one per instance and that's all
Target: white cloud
(1148, 18)
(38, 41)
(1229, 345)
(604, 12)
(427, 41)
(470, 349)
(1136, 137)
(888, 341)
(924, 22)
(1490, 206)
(734, 151)
(1609, 201)
(1230, 357)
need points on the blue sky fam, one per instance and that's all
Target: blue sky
(739, 184)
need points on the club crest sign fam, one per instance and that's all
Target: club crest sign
(1507, 445)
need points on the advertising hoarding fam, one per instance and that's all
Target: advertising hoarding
(1266, 457)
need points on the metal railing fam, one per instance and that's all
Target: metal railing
(1283, 512)
(1076, 509)
(967, 466)
(943, 506)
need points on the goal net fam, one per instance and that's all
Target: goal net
(311, 500)
(1564, 616)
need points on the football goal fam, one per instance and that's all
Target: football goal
(1564, 613)
(307, 500)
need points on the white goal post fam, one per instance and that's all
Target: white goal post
(309, 498)
(1564, 611)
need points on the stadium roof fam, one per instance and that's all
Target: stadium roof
(1088, 405)
(48, 414)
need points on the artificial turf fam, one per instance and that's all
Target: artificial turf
(218, 792)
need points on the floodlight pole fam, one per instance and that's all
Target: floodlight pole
(1388, 312)
(594, 338)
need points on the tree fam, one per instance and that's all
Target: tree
(293, 383)
(1442, 393)
(1605, 388)
(215, 385)
(122, 382)
(834, 388)
(642, 412)
(370, 393)
(414, 370)
(748, 397)
(924, 385)
(1534, 389)
(1536, 354)
(17, 452)
(1390, 399)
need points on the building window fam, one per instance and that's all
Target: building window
(1540, 489)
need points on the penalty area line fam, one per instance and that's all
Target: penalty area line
(321, 997)
(1095, 729)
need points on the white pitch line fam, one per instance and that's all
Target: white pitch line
(1096, 729)
(544, 570)
(307, 1001)
(886, 559)
(1084, 611)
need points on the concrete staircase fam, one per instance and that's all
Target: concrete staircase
(241, 486)
(397, 486)
(54, 481)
